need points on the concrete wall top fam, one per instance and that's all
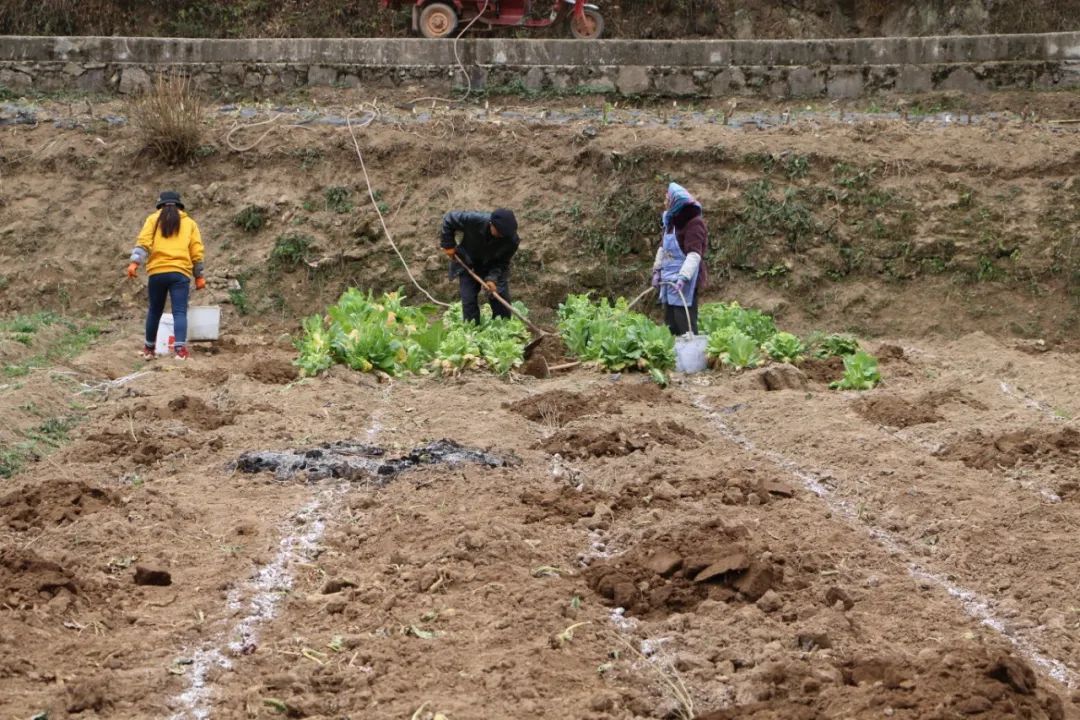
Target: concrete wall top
(1053, 47)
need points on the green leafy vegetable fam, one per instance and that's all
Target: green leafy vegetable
(756, 324)
(719, 341)
(742, 351)
(314, 347)
(612, 337)
(785, 347)
(369, 333)
(860, 372)
(835, 345)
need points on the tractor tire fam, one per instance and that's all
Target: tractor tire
(591, 27)
(438, 20)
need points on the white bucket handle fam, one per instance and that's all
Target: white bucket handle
(689, 324)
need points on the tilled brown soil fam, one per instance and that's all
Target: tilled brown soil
(714, 550)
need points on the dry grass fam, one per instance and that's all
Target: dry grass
(671, 683)
(169, 117)
(550, 417)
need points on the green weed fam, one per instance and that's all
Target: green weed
(11, 460)
(251, 219)
(987, 270)
(308, 157)
(622, 224)
(74, 340)
(291, 249)
(764, 216)
(28, 324)
(794, 167)
(205, 151)
(53, 431)
(239, 300)
(339, 199)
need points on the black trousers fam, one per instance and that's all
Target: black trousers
(470, 291)
(675, 318)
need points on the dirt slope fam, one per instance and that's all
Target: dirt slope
(825, 219)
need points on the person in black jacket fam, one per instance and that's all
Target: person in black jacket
(488, 242)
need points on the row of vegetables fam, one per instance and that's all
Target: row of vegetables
(369, 333)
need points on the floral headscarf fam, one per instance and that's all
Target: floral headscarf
(678, 198)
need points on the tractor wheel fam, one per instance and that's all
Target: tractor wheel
(590, 27)
(437, 20)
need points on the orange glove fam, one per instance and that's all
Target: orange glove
(200, 283)
(450, 252)
(132, 269)
(490, 285)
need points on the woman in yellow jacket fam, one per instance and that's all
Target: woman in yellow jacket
(172, 249)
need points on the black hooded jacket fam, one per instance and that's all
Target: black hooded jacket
(488, 256)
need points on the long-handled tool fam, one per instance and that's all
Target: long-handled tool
(636, 300)
(539, 332)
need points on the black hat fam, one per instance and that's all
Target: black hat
(505, 222)
(170, 197)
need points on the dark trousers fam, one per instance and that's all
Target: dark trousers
(470, 291)
(176, 286)
(675, 317)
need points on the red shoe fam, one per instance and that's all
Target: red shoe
(182, 353)
(147, 353)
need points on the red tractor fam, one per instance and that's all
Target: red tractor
(441, 18)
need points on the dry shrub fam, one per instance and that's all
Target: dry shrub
(169, 117)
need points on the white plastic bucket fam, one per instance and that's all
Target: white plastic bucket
(204, 322)
(690, 353)
(165, 337)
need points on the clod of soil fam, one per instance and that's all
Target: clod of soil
(895, 411)
(27, 580)
(987, 452)
(675, 574)
(836, 595)
(888, 351)
(356, 461)
(1013, 672)
(89, 695)
(143, 451)
(551, 349)
(58, 503)
(782, 377)
(189, 410)
(566, 503)
(195, 412)
(273, 371)
(557, 407)
(152, 576)
(537, 367)
(823, 371)
(594, 442)
(974, 682)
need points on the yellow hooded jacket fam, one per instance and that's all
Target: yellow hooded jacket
(183, 252)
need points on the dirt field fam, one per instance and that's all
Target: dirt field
(712, 550)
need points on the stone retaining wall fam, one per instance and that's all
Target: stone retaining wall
(774, 68)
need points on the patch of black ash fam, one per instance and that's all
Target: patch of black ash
(356, 461)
